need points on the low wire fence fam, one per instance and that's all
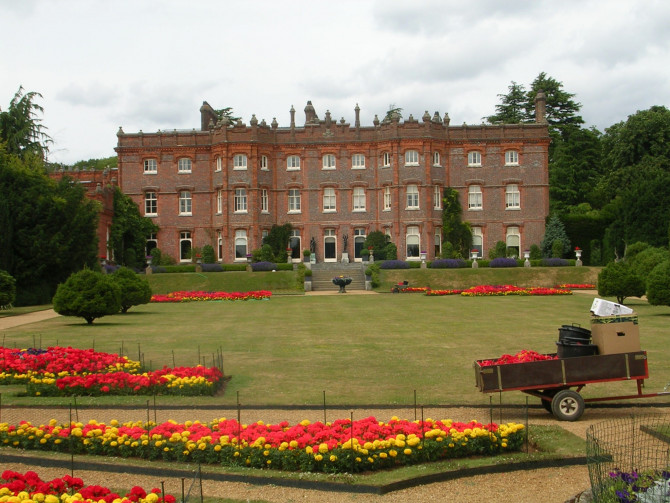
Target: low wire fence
(629, 459)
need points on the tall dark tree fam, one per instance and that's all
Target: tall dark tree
(455, 231)
(278, 239)
(130, 231)
(562, 110)
(20, 126)
(512, 106)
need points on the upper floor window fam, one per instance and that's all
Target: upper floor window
(294, 201)
(512, 197)
(240, 161)
(185, 202)
(474, 158)
(329, 199)
(241, 200)
(412, 158)
(412, 197)
(386, 160)
(358, 161)
(293, 162)
(264, 162)
(511, 158)
(184, 165)
(359, 199)
(437, 197)
(150, 203)
(474, 197)
(387, 198)
(436, 158)
(328, 161)
(264, 201)
(150, 166)
(219, 163)
(219, 201)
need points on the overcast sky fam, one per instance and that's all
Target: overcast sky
(149, 65)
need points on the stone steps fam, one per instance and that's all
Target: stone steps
(323, 274)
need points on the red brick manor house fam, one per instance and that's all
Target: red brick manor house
(227, 184)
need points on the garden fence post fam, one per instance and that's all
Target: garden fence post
(415, 405)
(324, 407)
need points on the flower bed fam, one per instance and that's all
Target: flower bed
(183, 296)
(651, 486)
(523, 356)
(22, 488)
(401, 288)
(338, 447)
(60, 371)
(577, 286)
(18, 366)
(183, 381)
(497, 290)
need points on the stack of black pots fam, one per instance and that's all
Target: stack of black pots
(574, 340)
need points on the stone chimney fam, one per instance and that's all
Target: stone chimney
(541, 107)
(207, 115)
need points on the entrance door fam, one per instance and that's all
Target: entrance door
(329, 246)
(359, 239)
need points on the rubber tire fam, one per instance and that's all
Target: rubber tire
(567, 405)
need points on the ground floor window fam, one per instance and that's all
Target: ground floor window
(513, 241)
(185, 245)
(478, 241)
(412, 242)
(240, 244)
(294, 244)
(152, 242)
(329, 245)
(219, 245)
(438, 243)
(359, 240)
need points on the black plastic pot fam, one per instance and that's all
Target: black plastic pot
(574, 332)
(571, 350)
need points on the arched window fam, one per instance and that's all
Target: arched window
(185, 246)
(478, 241)
(240, 244)
(413, 241)
(513, 241)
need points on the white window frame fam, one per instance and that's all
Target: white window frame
(153, 238)
(241, 239)
(478, 240)
(294, 201)
(240, 200)
(512, 197)
(264, 201)
(386, 160)
(412, 197)
(387, 198)
(436, 158)
(475, 197)
(412, 238)
(240, 162)
(184, 165)
(437, 197)
(219, 201)
(358, 161)
(293, 163)
(185, 203)
(150, 166)
(328, 161)
(358, 199)
(219, 163)
(329, 200)
(150, 203)
(411, 158)
(513, 238)
(511, 158)
(185, 236)
(219, 243)
(264, 162)
(474, 158)
(438, 242)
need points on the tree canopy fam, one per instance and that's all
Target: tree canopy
(21, 130)
(129, 232)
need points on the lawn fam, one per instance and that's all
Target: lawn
(372, 349)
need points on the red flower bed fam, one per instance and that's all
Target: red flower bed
(183, 296)
(500, 290)
(577, 286)
(55, 360)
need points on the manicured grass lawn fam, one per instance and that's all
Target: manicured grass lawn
(372, 349)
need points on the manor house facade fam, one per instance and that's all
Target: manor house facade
(227, 184)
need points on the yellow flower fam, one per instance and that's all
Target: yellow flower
(318, 457)
(333, 458)
(407, 451)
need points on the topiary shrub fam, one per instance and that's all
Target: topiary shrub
(390, 251)
(448, 263)
(212, 268)
(658, 285)
(208, 255)
(394, 264)
(535, 252)
(135, 290)
(618, 279)
(89, 295)
(503, 262)
(500, 250)
(7, 289)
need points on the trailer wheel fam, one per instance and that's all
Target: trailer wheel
(567, 405)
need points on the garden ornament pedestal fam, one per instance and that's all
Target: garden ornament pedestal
(342, 282)
(578, 254)
(526, 255)
(345, 258)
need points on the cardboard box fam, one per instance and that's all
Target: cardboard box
(601, 307)
(615, 334)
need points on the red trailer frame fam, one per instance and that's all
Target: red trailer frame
(551, 380)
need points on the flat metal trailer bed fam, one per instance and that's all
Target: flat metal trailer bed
(551, 380)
